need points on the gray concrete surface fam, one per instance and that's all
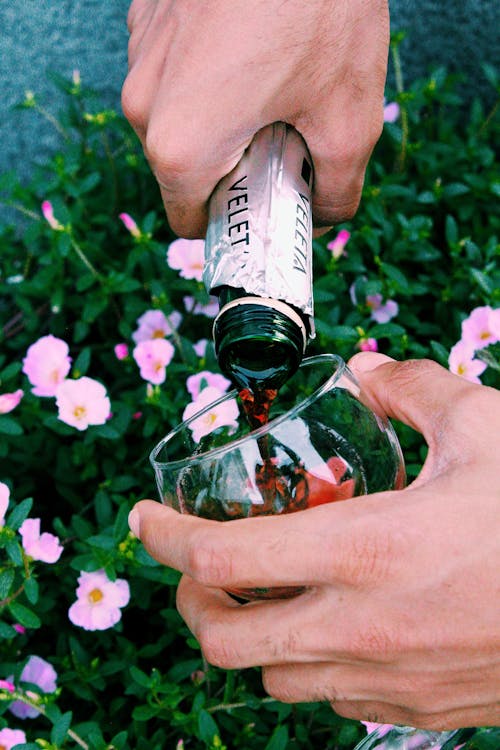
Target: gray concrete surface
(91, 35)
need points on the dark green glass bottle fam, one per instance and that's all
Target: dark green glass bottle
(258, 260)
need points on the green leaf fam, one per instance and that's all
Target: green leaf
(454, 189)
(19, 513)
(60, 728)
(395, 275)
(144, 713)
(140, 677)
(82, 362)
(14, 552)
(6, 580)
(10, 371)
(440, 353)
(491, 74)
(207, 728)
(386, 330)
(9, 426)
(31, 590)
(120, 528)
(451, 230)
(482, 280)
(24, 616)
(7, 631)
(278, 739)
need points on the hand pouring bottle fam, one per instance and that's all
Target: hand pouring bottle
(258, 260)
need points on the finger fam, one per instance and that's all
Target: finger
(419, 393)
(235, 636)
(151, 32)
(342, 126)
(383, 713)
(355, 542)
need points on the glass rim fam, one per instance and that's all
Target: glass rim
(340, 367)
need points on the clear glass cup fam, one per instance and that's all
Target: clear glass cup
(409, 738)
(321, 444)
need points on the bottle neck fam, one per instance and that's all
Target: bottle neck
(259, 342)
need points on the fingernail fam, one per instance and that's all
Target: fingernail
(134, 522)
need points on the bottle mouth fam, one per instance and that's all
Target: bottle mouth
(259, 341)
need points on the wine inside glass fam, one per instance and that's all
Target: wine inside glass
(320, 444)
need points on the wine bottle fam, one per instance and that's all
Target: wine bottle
(258, 260)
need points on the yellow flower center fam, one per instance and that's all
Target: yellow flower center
(485, 335)
(95, 596)
(79, 411)
(460, 370)
(2, 747)
(158, 334)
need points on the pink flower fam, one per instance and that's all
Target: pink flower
(210, 310)
(200, 347)
(46, 364)
(82, 402)
(121, 351)
(76, 77)
(19, 628)
(367, 345)
(214, 414)
(45, 547)
(11, 737)
(9, 401)
(391, 111)
(196, 383)
(154, 324)
(130, 224)
(7, 685)
(48, 214)
(379, 311)
(482, 327)
(137, 415)
(152, 358)
(461, 362)
(338, 244)
(4, 502)
(40, 673)
(99, 601)
(187, 257)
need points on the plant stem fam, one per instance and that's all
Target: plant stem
(398, 74)
(491, 114)
(230, 706)
(19, 207)
(53, 121)
(78, 250)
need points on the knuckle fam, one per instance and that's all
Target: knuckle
(277, 686)
(169, 160)
(209, 563)
(374, 642)
(371, 553)
(132, 101)
(216, 647)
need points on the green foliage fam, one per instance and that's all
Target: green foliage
(426, 235)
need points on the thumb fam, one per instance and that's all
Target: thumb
(419, 393)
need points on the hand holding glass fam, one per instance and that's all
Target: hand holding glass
(320, 444)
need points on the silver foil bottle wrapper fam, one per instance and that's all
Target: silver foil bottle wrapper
(259, 235)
